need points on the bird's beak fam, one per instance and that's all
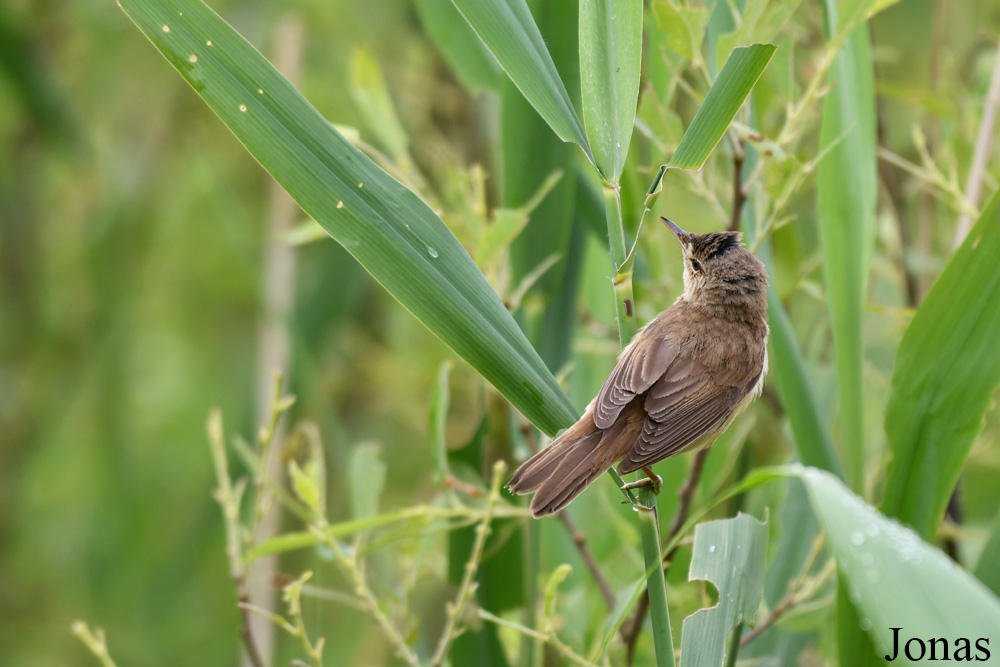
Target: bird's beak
(683, 237)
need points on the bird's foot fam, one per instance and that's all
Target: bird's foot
(652, 480)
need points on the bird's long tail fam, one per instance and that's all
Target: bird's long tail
(561, 471)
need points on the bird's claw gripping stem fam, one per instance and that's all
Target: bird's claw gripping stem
(650, 480)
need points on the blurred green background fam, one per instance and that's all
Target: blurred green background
(132, 237)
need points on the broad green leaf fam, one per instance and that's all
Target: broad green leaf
(846, 187)
(387, 228)
(731, 87)
(988, 567)
(946, 371)
(892, 577)
(366, 479)
(684, 26)
(509, 31)
(730, 553)
(610, 60)
(461, 48)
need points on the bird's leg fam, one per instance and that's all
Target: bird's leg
(650, 480)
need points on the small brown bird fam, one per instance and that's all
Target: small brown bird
(677, 385)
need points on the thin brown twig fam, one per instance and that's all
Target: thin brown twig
(579, 539)
(739, 191)
(799, 591)
(228, 498)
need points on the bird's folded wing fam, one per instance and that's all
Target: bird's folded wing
(640, 365)
(683, 406)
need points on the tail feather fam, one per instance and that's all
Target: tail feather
(561, 471)
(574, 474)
(539, 467)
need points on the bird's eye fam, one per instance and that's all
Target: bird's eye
(696, 266)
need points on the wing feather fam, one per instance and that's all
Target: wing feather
(639, 367)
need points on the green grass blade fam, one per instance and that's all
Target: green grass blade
(531, 152)
(946, 371)
(812, 437)
(510, 33)
(471, 61)
(893, 578)
(731, 87)
(610, 61)
(730, 553)
(386, 227)
(846, 187)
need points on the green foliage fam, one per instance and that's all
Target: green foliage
(610, 60)
(131, 301)
(728, 92)
(891, 575)
(384, 225)
(507, 29)
(946, 372)
(729, 553)
(845, 216)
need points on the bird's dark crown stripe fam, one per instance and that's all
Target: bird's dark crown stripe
(717, 243)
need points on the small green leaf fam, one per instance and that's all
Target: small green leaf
(610, 60)
(508, 223)
(305, 487)
(734, 83)
(371, 95)
(685, 26)
(854, 12)
(730, 553)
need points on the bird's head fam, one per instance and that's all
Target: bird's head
(718, 270)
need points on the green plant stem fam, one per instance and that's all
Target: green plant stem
(649, 519)
(229, 498)
(467, 588)
(549, 638)
(624, 306)
(656, 583)
(94, 641)
(354, 572)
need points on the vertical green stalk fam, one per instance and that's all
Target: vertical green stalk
(648, 519)
(624, 308)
